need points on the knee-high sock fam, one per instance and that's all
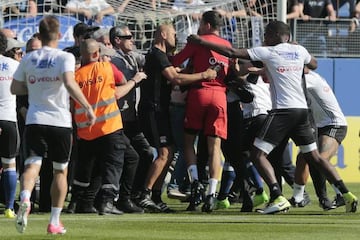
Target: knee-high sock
(10, 178)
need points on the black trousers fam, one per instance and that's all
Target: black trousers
(100, 158)
(145, 157)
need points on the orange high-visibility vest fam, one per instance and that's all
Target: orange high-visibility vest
(97, 83)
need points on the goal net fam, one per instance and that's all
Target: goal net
(243, 20)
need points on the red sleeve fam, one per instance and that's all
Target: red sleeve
(118, 75)
(186, 53)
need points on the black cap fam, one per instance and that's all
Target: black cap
(82, 29)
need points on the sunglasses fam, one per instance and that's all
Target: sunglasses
(128, 37)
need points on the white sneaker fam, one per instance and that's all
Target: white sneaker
(22, 215)
(174, 193)
(280, 204)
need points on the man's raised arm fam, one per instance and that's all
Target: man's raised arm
(223, 50)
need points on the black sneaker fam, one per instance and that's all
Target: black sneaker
(196, 196)
(146, 203)
(209, 203)
(128, 206)
(338, 200)
(164, 208)
(326, 204)
(302, 203)
(109, 208)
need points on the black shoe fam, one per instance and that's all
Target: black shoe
(339, 200)
(128, 206)
(209, 203)
(326, 204)
(196, 196)
(146, 203)
(302, 203)
(109, 208)
(233, 197)
(164, 208)
(85, 210)
(71, 207)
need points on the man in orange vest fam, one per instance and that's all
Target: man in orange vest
(100, 147)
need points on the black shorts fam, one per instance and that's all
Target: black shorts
(49, 142)
(156, 128)
(287, 123)
(9, 139)
(337, 132)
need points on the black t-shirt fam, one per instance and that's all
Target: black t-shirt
(155, 90)
(315, 8)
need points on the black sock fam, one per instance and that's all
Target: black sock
(341, 186)
(274, 191)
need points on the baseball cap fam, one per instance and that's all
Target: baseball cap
(13, 43)
(82, 29)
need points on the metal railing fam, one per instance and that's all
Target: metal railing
(323, 38)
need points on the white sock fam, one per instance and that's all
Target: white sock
(25, 194)
(212, 186)
(55, 216)
(298, 192)
(193, 173)
(337, 191)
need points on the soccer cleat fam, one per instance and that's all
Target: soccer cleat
(22, 215)
(326, 204)
(56, 229)
(351, 202)
(280, 204)
(259, 199)
(9, 213)
(209, 203)
(339, 200)
(302, 203)
(222, 204)
(196, 197)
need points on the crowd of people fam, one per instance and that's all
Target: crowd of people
(91, 10)
(111, 121)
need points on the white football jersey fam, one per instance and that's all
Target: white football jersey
(261, 103)
(7, 101)
(323, 103)
(284, 64)
(49, 100)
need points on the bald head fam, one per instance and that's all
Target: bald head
(8, 32)
(165, 35)
(89, 50)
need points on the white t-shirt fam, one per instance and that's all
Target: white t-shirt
(261, 103)
(93, 5)
(7, 101)
(284, 65)
(49, 100)
(323, 103)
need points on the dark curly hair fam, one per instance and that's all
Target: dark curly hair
(3, 43)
